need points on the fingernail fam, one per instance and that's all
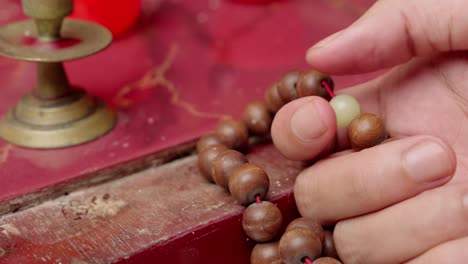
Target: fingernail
(307, 123)
(427, 162)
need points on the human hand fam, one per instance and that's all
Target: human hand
(405, 201)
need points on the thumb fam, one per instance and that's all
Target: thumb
(392, 32)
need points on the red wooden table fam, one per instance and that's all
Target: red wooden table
(186, 65)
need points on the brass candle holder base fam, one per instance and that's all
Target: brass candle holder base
(71, 120)
(53, 115)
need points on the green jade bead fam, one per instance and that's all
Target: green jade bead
(346, 109)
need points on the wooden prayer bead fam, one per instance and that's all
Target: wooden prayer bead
(206, 141)
(257, 118)
(310, 84)
(267, 253)
(247, 181)
(262, 221)
(206, 157)
(233, 134)
(365, 131)
(287, 86)
(224, 164)
(313, 226)
(298, 243)
(327, 260)
(329, 249)
(273, 100)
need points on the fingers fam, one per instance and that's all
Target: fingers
(365, 181)
(405, 230)
(392, 32)
(304, 128)
(452, 252)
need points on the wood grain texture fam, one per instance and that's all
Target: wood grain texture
(169, 213)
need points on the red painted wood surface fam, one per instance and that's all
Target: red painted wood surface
(186, 65)
(169, 214)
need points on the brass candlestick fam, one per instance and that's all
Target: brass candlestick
(53, 115)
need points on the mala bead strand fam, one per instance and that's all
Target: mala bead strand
(299, 243)
(273, 99)
(329, 249)
(224, 164)
(363, 130)
(313, 226)
(311, 84)
(262, 221)
(206, 158)
(267, 253)
(220, 161)
(346, 109)
(257, 118)
(206, 141)
(247, 182)
(287, 86)
(233, 134)
(366, 130)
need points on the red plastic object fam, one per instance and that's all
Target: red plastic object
(118, 16)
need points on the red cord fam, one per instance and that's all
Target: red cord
(328, 88)
(257, 197)
(307, 260)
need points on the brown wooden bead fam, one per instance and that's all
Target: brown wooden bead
(365, 131)
(262, 221)
(310, 84)
(315, 227)
(224, 164)
(329, 249)
(267, 253)
(298, 243)
(389, 139)
(287, 86)
(206, 158)
(233, 134)
(257, 118)
(327, 260)
(206, 141)
(273, 99)
(247, 181)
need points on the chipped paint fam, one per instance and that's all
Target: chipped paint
(9, 229)
(93, 208)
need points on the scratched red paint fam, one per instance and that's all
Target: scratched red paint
(227, 55)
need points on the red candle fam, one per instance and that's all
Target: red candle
(118, 16)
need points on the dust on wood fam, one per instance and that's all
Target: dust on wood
(119, 218)
(33, 199)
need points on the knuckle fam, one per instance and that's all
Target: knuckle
(450, 203)
(348, 250)
(361, 188)
(455, 202)
(305, 190)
